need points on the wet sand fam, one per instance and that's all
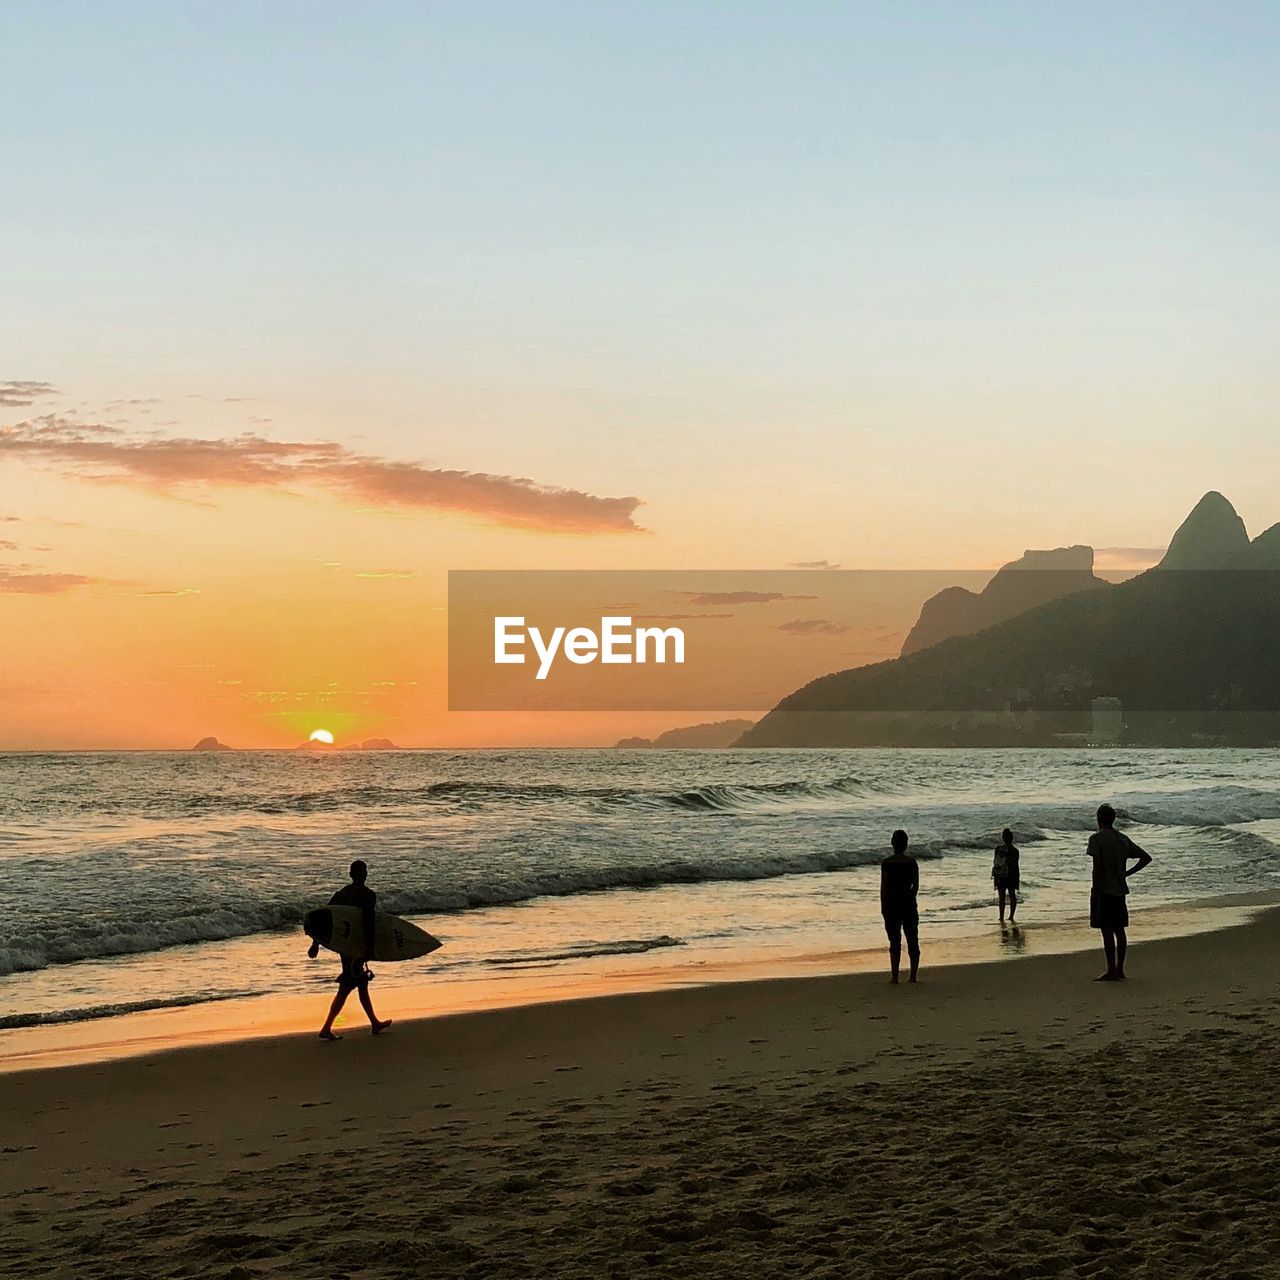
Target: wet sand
(997, 1120)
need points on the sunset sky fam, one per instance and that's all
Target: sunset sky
(306, 304)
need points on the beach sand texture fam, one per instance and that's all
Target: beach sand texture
(998, 1120)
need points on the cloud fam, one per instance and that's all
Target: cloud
(20, 394)
(813, 564)
(386, 573)
(1130, 555)
(737, 597)
(179, 591)
(106, 453)
(20, 582)
(813, 627)
(6, 545)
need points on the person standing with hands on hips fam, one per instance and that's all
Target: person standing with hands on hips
(1112, 851)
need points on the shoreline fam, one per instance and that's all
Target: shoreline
(832, 1124)
(52, 1046)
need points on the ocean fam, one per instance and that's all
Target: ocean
(151, 880)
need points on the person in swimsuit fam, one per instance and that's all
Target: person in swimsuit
(1005, 874)
(355, 971)
(899, 883)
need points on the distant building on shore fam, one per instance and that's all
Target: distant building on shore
(1108, 721)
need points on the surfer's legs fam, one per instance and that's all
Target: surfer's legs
(374, 1021)
(1013, 903)
(326, 1032)
(1000, 890)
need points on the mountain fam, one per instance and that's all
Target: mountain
(1212, 537)
(1191, 655)
(1035, 579)
(719, 733)
(211, 744)
(372, 744)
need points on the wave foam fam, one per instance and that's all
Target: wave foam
(13, 1021)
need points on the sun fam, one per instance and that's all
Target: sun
(322, 735)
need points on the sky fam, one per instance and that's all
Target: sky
(306, 304)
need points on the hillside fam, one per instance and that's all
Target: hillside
(1035, 579)
(1189, 650)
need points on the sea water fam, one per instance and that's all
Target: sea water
(146, 880)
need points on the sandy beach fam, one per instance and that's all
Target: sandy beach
(1011, 1119)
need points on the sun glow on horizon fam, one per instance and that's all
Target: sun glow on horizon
(322, 735)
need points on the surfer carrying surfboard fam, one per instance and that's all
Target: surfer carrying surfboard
(355, 969)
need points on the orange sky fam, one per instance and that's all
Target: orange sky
(163, 583)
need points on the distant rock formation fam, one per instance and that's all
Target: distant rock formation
(1191, 656)
(372, 744)
(693, 737)
(1037, 578)
(1212, 537)
(211, 744)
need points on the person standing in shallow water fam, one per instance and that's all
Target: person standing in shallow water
(355, 970)
(1006, 874)
(1112, 851)
(899, 884)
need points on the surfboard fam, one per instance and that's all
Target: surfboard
(341, 929)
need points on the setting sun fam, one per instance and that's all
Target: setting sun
(322, 735)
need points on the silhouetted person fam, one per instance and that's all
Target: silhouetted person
(1112, 851)
(355, 971)
(1006, 874)
(899, 883)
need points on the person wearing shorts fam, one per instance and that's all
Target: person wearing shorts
(1112, 851)
(899, 884)
(355, 973)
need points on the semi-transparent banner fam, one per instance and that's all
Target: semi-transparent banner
(1034, 643)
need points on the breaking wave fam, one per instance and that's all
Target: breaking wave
(585, 951)
(83, 939)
